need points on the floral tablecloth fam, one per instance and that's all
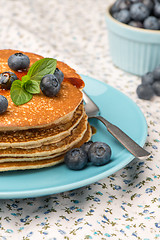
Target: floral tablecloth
(125, 205)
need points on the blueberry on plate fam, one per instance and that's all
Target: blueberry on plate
(18, 61)
(99, 153)
(6, 80)
(76, 159)
(156, 73)
(50, 85)
(151, 23)
(156, 87)
(3, 104)
(139, 11)
(59, 75)
(145, 91)
(86, 146)
(148, 78)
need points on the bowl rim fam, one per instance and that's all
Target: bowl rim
(142, 30)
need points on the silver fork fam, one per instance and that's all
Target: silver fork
(92, 111)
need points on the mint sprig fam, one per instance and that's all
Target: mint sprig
(42, 67)
(22, 90)
(18, 94)
(32, 87)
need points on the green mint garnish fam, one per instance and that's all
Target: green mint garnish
(18, 94)
(22, 91)
(32, 86)
(42, 67)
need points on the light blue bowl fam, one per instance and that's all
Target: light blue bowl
(134, 50)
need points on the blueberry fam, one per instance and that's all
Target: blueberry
(86, 146)
(145, 91)
(156, 87)
(137, 24)
(76, 159)
(6, 80)
(99, 153)
(139, 11)
(18, 61)
(159, 21)
(122, 16)
(156, 73)
(148, 78)
(59, 75)
(120, 5)
(156, 10)
(50, 85)
(134, 1)
(115, 15)
(3, 104)
(152, 23)
(149, 4)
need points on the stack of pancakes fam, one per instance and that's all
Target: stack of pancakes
(37, 134)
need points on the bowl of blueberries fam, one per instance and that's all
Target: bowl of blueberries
(134, 35)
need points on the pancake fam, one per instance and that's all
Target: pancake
(24, 165)
(70, 74)
(36, 137)
(41, 111)
(6, 53)
(38, 133)
(45, 150)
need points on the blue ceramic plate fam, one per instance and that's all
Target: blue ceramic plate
(114, 106)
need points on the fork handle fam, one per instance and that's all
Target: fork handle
(124, 139)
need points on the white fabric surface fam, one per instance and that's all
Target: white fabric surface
(123, 206)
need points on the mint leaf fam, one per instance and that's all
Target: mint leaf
(25, 79)
(18, 94)
(42, 67)
(32, 86)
